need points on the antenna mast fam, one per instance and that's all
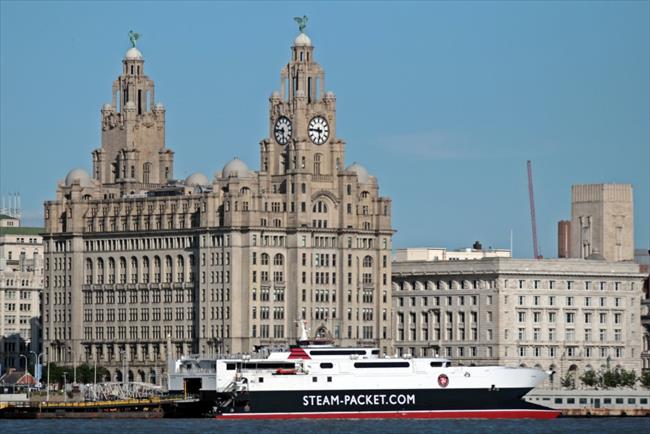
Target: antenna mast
(531, 197)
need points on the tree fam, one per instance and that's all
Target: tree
(85, 373)
(645, 379)
(568, 381)
(627, 378)
(610, 378)
(589, 378)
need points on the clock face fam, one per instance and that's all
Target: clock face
(319, 130)
(282, 130)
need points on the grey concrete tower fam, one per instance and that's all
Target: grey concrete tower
(133, 154)
(602, 221)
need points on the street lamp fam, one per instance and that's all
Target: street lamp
(37, 372)
(26, 363)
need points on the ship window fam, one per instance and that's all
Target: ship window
(382, 365)
(558, 400)
(619, 400)
(375, 352)
(337, 352)
(643, 400)
(314, 379)
(261, 379)
(329, 379)
(437, 364)
(582, 400)
(230, 366)
(570, 400)
(326, 366)
(607, 401)
(631, 400)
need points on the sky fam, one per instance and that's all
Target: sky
(444, 102)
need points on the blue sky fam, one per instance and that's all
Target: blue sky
(443, 101)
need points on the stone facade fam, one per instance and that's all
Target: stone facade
(21, 283)
(227, 264)
(565, 315)
(602, 221)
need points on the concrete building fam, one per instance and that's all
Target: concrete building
(602, 221)
(442, 254)
(566, 315)
(642, 257)
(134, 257)
(21, 283)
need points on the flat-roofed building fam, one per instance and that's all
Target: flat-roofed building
(566, 315)
(21, 284)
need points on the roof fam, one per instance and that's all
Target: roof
(21, 230)
(5, 217)
(17, 377)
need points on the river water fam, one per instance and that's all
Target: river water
(630, 425)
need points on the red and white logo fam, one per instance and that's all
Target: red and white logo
(443, 380)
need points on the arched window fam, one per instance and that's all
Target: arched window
(367, 261)
(265, 259)
(317, 162)
(157, 265)
(89, 271)
(145, 270)
(180, 269)
(320, 207)
(100, 271)
(122, 270)
(111, 270)
(278, 259)
(168, 268)
(134, 269)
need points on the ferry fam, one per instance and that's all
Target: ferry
(314, 379)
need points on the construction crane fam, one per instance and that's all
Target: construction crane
(531, 197)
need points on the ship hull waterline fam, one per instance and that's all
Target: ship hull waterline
(383, 404)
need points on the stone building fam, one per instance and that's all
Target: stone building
(602, 222)
(134, 258)
(21, 283)
(566, 315)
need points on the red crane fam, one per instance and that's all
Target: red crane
(531, 197)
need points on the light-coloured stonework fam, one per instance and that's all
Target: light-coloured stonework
(221, 265)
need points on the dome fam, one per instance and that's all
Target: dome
(79, 175)
(329, 95)
(197, 179)
(235, 167)
(360, 171)
(133, 54)
(302, 40)
(160, 106)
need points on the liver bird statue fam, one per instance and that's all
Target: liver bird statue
(302, 22)
(133, 37)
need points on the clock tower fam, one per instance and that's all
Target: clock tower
(302, 120)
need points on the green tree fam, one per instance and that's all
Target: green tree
(645, 379)
(568, 381)
(589, 378)
(628, 378)
(86, 373)
(610, 378)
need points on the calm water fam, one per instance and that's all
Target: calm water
(193, 426)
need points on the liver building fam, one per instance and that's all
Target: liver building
(139, 265)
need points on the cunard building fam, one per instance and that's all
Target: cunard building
(138, 264)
